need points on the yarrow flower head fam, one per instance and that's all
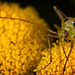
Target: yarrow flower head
(21, 43)
(58, 60)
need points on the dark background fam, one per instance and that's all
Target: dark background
(45, 8)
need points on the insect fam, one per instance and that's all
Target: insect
(65, 32)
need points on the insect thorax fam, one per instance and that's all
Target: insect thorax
(68, 29)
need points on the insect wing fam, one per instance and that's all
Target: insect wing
(60, 14)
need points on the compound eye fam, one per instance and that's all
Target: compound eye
(65, 19)
(66, 33)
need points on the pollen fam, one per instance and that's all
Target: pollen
(58, 61)
(21, 43)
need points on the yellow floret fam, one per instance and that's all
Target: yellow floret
(21, 43)
(58, 60)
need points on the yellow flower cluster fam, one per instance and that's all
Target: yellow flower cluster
(58, 60)
(21, 43)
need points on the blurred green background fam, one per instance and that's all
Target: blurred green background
(45, 8)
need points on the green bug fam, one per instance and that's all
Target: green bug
(65, 32)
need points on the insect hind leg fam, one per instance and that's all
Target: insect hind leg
(64, 51)
(72, 43)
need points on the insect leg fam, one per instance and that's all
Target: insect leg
(52, 31)
(72, 43)
(56, 26)
(49, 52)
(50, 35)
(64, 50)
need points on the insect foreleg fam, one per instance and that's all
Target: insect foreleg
(72, 44)
(50, 35)
(49, 52)
(50, 49)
